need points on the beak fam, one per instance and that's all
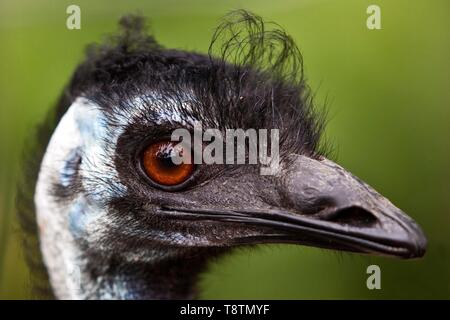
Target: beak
(344, 213)
(325, 206)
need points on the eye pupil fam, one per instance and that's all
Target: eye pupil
(167, 162)
(165, 157)
(159, 165)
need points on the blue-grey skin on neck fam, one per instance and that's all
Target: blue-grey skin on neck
(79, 157)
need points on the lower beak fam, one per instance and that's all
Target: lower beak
(348, 229)
(346, 233)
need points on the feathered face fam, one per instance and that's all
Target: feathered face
(107, 177)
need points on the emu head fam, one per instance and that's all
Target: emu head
(112, 227)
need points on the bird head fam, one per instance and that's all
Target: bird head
(108, 188)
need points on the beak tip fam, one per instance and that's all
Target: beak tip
(421, 245)
(417, 243)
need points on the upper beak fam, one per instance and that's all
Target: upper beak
(326, 206)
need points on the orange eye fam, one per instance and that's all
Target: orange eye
(159, 165)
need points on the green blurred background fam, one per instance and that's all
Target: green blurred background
(388, 94)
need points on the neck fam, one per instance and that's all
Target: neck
(98, 277)
(174, 278)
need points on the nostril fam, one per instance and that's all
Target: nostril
(354, 216)
(319, 205)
